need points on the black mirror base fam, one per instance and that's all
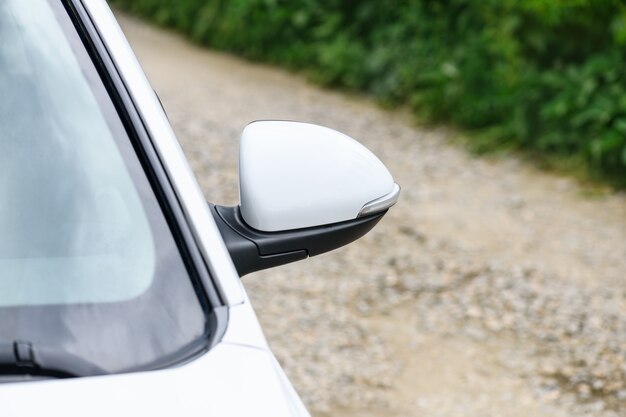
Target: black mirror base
(253, 250)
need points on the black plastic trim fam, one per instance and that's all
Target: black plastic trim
(254, 250)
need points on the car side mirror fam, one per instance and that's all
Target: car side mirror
(304, 190)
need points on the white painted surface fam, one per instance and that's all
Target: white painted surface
(294, 175)
(231, 380)
(243, 326)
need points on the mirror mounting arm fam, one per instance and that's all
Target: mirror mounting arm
(253, 250)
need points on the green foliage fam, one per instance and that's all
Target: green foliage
(548, 76)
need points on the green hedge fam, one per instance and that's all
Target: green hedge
(545, 76)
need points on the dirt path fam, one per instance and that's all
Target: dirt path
(489, 290)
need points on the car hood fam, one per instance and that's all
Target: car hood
(230, 380)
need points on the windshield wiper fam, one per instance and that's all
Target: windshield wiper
(22, 358)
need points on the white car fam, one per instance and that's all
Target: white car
(120, 289)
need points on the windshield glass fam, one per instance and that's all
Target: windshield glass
(87, 261)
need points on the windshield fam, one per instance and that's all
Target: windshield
(88, 264)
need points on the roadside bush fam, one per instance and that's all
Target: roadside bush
(546, 76)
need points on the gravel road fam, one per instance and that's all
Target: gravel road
(491, 289)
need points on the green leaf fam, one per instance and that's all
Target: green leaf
(620, 125)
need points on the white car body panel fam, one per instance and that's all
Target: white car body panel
(239, 376)
(243, 327)
(229, 381)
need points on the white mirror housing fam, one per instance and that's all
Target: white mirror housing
(296, 175)
(305, 190)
